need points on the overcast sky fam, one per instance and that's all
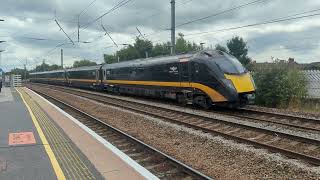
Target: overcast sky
(29, 19)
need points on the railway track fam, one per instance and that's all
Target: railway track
(157, 162)
(288, 121)
(310, 125)
(293, 146)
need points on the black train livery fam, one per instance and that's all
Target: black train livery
(204, 78)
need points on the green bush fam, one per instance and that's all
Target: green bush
(278, 85)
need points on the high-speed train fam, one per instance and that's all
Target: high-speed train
(203, 78)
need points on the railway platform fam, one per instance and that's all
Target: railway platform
(40, 141)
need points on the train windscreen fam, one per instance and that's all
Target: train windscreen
(230, 65)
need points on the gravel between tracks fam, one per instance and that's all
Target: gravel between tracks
(215, 156)
(265, 125)
(286, 112)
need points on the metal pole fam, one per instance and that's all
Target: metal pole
(61, 58)
(25, 71)
(173, 28)
(43, 63)
(78, 28)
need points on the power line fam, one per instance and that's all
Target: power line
(184, 3)
(63, 31)
(87, 7)
(108, 34)
(117, 6)
(222, 12)
(255, 24)
(206, 17)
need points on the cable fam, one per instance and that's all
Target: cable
(206, 17)
(87, 7)
(219, 13)
(184, 3)
(117, 6)
(255, 24)
(64, 31)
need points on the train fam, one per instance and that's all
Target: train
(205, 78)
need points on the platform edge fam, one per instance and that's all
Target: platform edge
(137, 167)
(54, 162)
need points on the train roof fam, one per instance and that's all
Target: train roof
(164, 59)
(46, 72)
(148, 61)
(85, 68)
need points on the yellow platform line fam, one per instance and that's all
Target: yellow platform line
(56, 167)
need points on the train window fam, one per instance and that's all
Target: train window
(230, 65)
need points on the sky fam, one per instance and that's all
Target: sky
(32, 34)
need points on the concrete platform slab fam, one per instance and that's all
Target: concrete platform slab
(40, 141)
(6, 95)
(20, 161)
(109, 161)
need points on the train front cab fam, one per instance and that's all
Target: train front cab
(223, 79)
(237, 84)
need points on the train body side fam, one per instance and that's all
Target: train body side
(204, 78)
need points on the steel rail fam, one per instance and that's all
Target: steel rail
(289, 153)
(185, 168)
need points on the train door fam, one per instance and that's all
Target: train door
(184, 73)
(97, 77)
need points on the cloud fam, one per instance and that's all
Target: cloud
(27, 20)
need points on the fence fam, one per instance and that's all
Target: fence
(15, 80)
(313, 83)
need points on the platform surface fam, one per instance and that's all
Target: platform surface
(28, 161)
(38, 140)
(24, 154)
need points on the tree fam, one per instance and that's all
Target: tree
(46, 67)
(161, 49)
(21, 72)
(109, 59)
(183, 46)
(83, 62)
(128, 53)
(238, 48)
(221, 48)
(278, 84)
(142, 47)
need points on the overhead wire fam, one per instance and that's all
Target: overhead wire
(208, 16)
(282, 19)
(117, 6)
(221, 12)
